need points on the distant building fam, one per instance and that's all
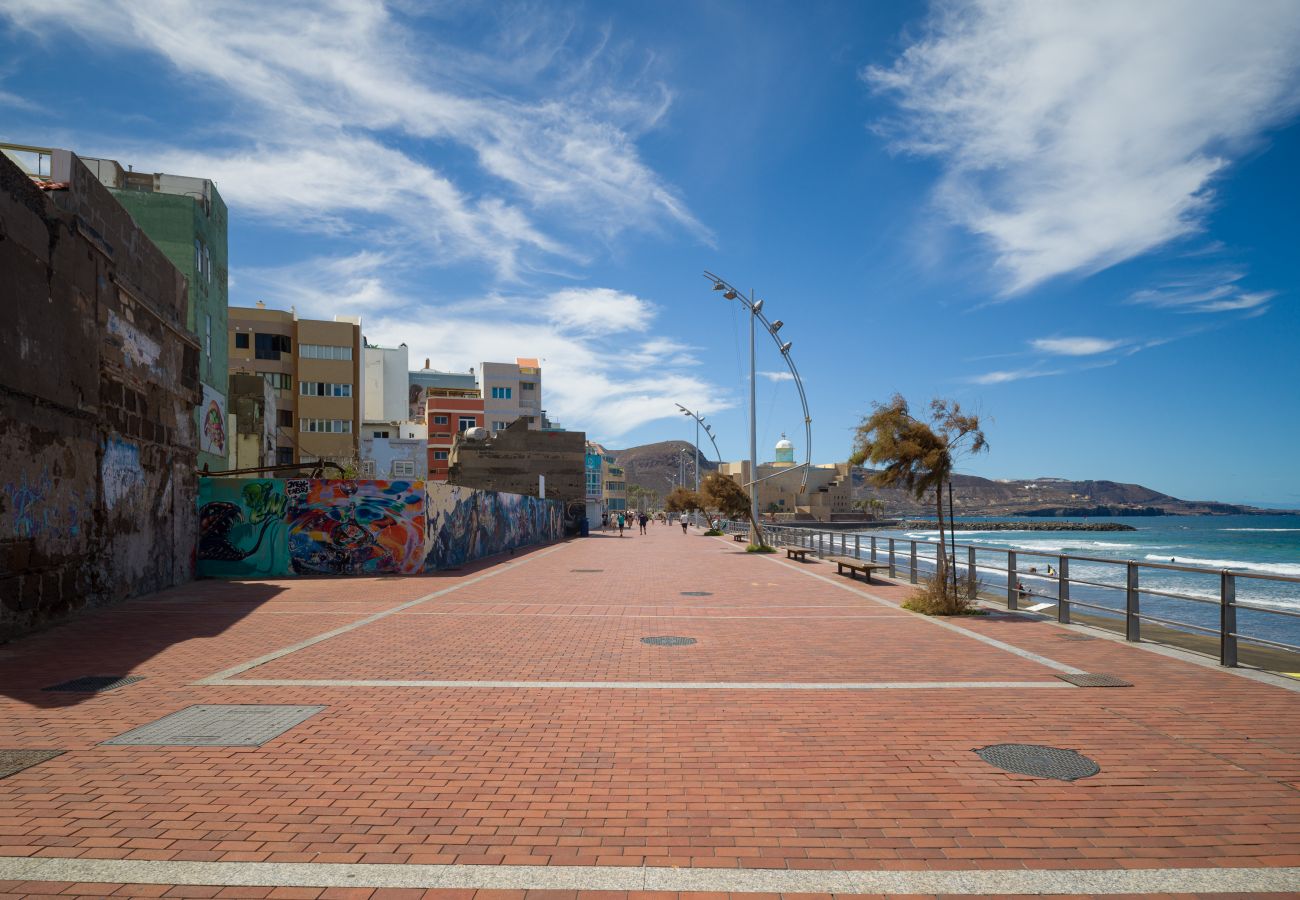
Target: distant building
(315, 367)
(186, 219)
(827, 496)
(511, 391)
(253, 422)
(593, 481)
(614, 484)
(517, 459)
(394, 452)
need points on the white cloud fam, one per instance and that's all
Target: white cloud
(1077, 135)
(598, 309)
(340, 108)
(1075, 346)
(1002, 377)
(777, 376)
(1205, 292)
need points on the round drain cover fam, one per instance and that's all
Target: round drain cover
(668, 641)
(1039, 761)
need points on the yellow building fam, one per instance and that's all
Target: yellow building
(827, 496)
(315, 368)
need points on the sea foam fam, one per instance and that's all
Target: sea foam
(1263, 568)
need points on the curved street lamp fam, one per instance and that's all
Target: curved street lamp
(699, 423)
(755, 308)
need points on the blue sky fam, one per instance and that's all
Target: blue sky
(1079, 220)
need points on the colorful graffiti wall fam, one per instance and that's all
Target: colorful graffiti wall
(267, 527)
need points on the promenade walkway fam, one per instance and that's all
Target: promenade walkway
(505, 729)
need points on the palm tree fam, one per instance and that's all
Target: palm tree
(917, 455)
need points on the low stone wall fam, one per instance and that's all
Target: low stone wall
(271, 527)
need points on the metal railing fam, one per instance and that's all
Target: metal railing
(1053, 587)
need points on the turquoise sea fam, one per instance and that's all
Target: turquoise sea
(1266, 545)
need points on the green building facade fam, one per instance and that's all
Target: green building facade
(187, 219)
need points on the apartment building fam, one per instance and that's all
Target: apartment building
(511, 391)
(315, 367)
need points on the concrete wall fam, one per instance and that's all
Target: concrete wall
(386, 384)
(380, 453)
(512, 460)
(97, 395)
(270, 527)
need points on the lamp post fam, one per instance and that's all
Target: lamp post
(708, 430)
(755, 308)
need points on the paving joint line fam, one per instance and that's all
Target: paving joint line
(628, 878)
(643, 685)
(224, 674)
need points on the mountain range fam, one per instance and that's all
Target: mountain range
(654, 467)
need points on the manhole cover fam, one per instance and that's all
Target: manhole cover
(1077, 637)
(95, 684)
(219, 726)
(1039, 761)
(1095, 679)
(668, 641)
(13, 761)
(586, 570)
(697, 593)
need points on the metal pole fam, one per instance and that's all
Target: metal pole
(697, 455)
(1227, 619)
(753, 415)
(1012, 596)
(1063, 590)
(873, 548)
(1132, 624)
(913, 560)
(891, 557)
(857, 546)
(971, 574)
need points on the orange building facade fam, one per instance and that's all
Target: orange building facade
(446, 416)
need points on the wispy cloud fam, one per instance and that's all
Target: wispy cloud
(1075, 136)
(1215, 291)
(777, 376)
(1008, 375)
(350, 120)
(1075, 346)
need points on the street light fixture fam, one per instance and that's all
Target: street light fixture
(755, 307)
(700, 423)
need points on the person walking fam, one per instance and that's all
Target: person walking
(604, 521)
(621, 522)
(643, 518)
(683, 524)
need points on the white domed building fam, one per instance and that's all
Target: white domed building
(828, 495)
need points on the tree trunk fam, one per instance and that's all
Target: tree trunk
(941, 558)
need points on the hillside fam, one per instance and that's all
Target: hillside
(652, 465)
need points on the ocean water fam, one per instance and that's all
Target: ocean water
(1265, 545)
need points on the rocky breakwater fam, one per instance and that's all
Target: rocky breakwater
(1020, 526)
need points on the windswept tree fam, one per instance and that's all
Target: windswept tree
(683, 500)
(917, 455)
(721, 492)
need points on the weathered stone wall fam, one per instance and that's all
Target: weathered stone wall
(97, 387)
(513, 459)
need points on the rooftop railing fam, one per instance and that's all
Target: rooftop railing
(1121, 592)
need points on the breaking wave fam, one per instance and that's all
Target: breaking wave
(1264, 568)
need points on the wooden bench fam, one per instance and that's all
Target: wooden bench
(799, 553)
(741, 537)
(855, 565)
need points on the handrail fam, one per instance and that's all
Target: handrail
(903, 558)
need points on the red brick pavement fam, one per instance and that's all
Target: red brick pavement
(1200, 768)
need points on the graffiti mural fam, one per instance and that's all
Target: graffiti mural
(120, 472)
(465, 524)
(358, 528)
(259, 528)
(243, 531)
(212, 423)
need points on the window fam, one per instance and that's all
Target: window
(280, 381)
(499, 426)
(367, 468)
(198, 256)
(439, 454)
(283, 456)
(439, 420)
(501, 393)
(324, 389)
(467, 422)
(207, 264)
(326, 426)
(527, 385)
(207, 335)
(403, 468)
(286, 417)
(241, 340)
(324, 351)
(270, 346)
(379, 434)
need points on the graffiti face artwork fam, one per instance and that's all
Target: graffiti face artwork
(242, 531)
(359, 527)
(214, 429)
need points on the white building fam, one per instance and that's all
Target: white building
(511, 391)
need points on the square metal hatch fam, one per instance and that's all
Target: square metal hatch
(234, 725)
